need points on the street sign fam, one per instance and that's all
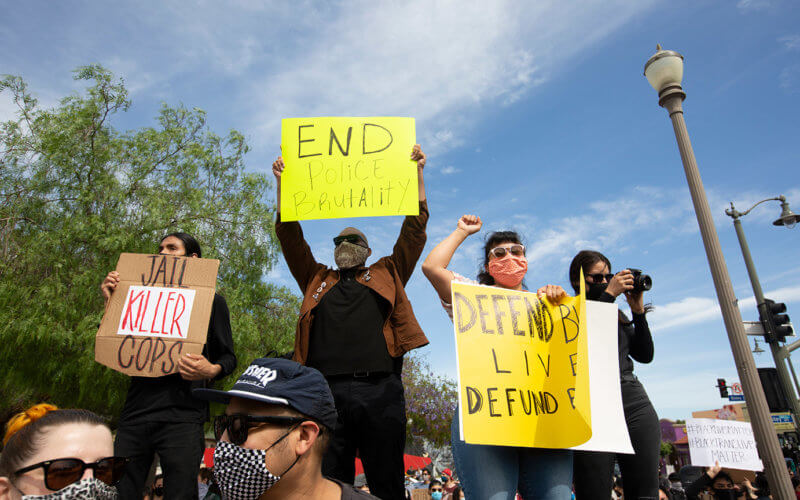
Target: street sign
(783, 422)
(736, 388)
(781, 418)
(754, 328)
(736, 397)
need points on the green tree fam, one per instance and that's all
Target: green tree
(75, 193)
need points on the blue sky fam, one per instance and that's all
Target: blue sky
(535, 115)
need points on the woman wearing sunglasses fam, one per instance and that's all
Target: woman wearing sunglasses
(60, 454)
(498, 472)
(593, 470)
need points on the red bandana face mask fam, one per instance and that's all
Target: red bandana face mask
(508, 272)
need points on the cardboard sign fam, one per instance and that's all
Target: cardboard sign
(348, 167)
(728, 442)
(159, 311)
(609, 428)
(523, 368)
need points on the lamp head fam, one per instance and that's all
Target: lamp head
(787, 218)
(664, 69)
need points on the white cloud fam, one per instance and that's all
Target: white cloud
(789, 78)
(695, 310)
(754, 5)
(436, 61)
(448, 170)
(791, 42)
(8, 110)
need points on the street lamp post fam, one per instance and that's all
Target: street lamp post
(664, 71)
(779, 354)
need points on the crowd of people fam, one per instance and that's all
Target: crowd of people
(292, 428)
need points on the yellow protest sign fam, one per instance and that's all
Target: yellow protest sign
(523, 369)
(348, 167)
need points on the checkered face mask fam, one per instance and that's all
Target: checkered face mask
(242, 473)
(86, 489)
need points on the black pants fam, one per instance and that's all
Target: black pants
(372, 421)
(179, 447)
(592, 470)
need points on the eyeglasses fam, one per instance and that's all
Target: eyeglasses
(350, 238)
(62, 472)
(516, 250)
(598, 277)
(239, 425)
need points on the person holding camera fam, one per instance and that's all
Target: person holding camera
(593, 470)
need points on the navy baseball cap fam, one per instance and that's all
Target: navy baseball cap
(283, 382)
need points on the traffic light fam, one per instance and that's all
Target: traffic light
(776, 324)
(723, 389)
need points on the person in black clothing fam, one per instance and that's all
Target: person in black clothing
(593, 470)
(355, 325)
(720, 482)
(160, 415)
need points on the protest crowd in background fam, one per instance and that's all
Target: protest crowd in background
(295, 424)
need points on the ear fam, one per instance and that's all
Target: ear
(309, 431)
(7, 490)
(369, 252)
(194, 256)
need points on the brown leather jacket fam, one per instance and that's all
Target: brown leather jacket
(388, 277)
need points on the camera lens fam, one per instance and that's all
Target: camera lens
(642, 283)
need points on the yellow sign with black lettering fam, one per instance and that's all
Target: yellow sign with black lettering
(523, 368)
(348, 167)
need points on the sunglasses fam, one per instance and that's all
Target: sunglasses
(437, 489)
(516, 250)
(62, 472)
(350, 238)
(239, 425)
(598, 277)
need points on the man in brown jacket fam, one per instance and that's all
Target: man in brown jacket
(355, 324)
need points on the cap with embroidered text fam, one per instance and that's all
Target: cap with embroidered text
(283, 382)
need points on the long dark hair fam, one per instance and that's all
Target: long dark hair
(25, 431)
(492, 240)
(189, 243)
(586, 259)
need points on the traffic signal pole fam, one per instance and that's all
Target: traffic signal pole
(778, 353)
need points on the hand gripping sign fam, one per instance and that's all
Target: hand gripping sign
(523, 368)
(159, 311)
(348, 167)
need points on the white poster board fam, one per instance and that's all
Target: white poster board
(609, 430)
(728, 442)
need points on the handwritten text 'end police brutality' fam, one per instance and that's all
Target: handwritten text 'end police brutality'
(339, 172)
(527, 319)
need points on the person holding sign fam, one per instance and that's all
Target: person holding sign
(498, 472)
(160, 415)
(355, 325)
(593, 470)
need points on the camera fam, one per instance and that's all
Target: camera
(641, 282)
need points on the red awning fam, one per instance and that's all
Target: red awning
(409, 461)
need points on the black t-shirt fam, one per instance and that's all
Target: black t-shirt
(349, 492)
(347, 331)
(169, 398)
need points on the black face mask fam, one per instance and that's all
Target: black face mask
(595, 290)
(726, 494)
(158, 491)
